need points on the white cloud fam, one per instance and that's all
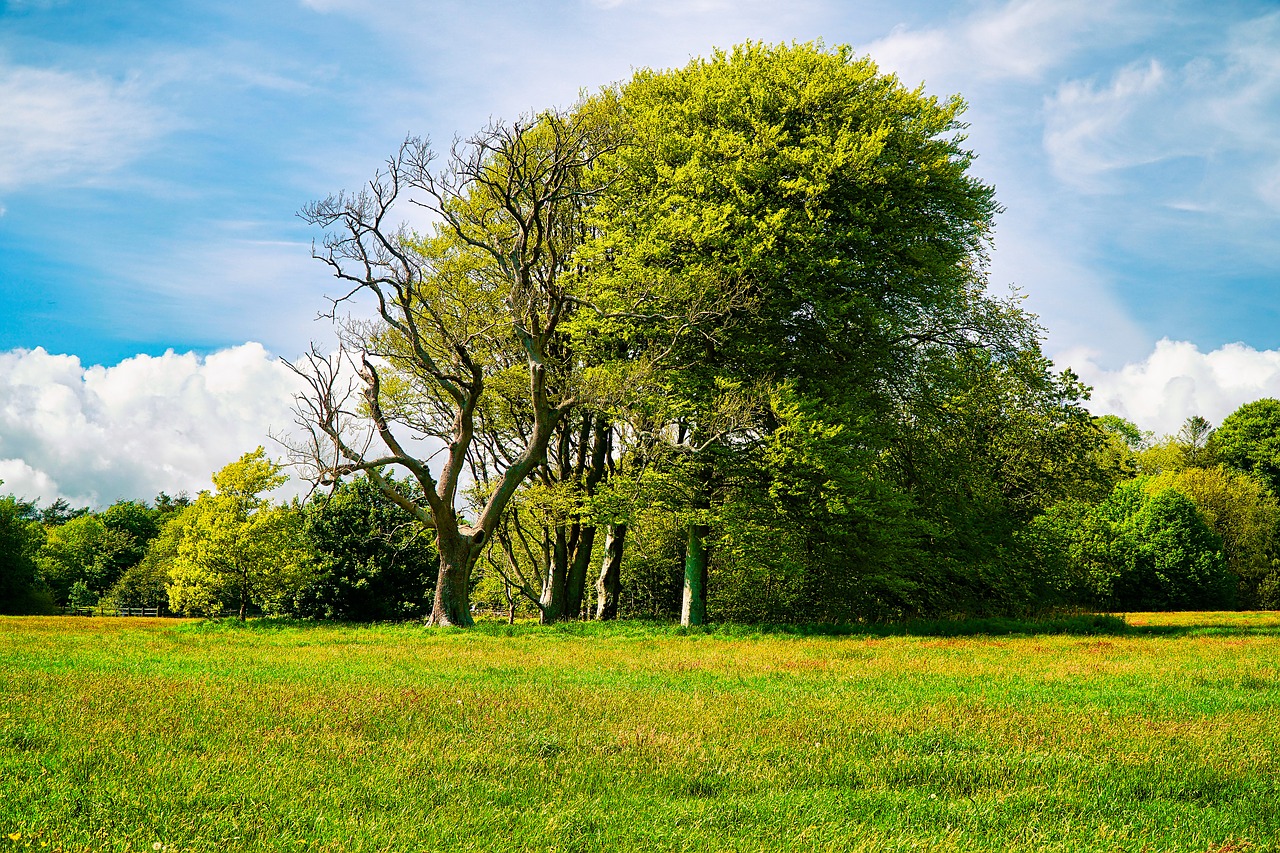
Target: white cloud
(1088, 128)
(1018, 40)
(1177, 381)
(62, 126)
(95, 434)
(1221, 107)
(460, 72)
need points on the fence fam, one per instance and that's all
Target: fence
(115, 611)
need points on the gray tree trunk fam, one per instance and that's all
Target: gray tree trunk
(609, 584)
(577, 580)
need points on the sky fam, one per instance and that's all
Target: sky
(153, 156)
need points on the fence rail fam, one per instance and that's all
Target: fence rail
(115, 611)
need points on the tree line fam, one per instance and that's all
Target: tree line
(1190, 521)
(717, 342)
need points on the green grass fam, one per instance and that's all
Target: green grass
(127, 734)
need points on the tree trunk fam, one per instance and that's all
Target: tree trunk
(576, 583)
(552, 603)
(609, 584)
(601, 435)
(693, 605)
(452, 604)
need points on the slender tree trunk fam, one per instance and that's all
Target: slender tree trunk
(596, 432)
(553, 588)
(576, 584)
(511, 602)
(693, 605)
(452, 604)
(609, 584)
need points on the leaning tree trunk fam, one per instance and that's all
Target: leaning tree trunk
(609, 584)
(452, 604)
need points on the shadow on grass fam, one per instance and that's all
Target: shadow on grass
(1085, 625)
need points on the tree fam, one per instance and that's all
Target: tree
(466, 313)
(71, 554)
(1193, 437)
(145, 581)
(1178, 562)
(373, 562)
(235, 549)
(829, 214)
(94, 549)
(1125, 431)
(1242, 512)
(60, 512)
(20, 539)
(1144, 550)
(1249, 440)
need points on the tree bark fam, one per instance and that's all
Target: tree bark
(576, 582)
(552, 604)
(693, 605)
(609, 584)
(452, 605)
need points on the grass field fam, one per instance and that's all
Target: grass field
(130, 734)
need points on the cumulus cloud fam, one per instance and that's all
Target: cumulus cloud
(57, 125)
(96, 434)
(1177, 381)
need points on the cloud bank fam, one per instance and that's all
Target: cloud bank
(1177, 381)
(96, 434)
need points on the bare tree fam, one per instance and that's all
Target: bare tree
(465, 315)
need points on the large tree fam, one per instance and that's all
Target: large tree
(469, 321)
(831, 211)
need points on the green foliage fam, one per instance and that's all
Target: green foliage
(835, 541)
(1188, 448)
(235, 550)
(826, 203)
(372, 562)
(1242, 512)
(1177, 562)
(1126, 431)
(60, 512)
(146, 583)
(71, 553)
(1143, 549)
(20, 540)
(95, 550)
(80, 597)
(1249, 440)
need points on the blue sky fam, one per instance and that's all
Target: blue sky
(153, 155)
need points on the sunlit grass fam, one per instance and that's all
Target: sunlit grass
(123, 734)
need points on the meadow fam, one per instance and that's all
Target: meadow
(168, 735)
